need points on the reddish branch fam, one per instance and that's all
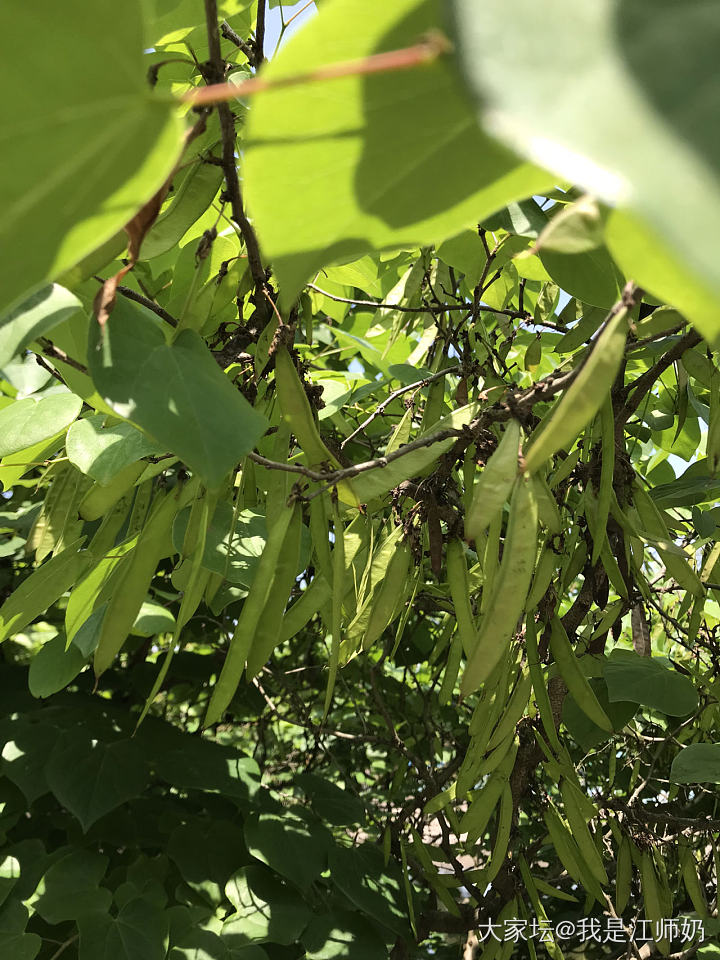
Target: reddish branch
(426, 51)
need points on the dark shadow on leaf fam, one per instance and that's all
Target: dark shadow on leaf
(446, 159)
(671, 49)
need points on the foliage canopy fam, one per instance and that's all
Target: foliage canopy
(360, 452)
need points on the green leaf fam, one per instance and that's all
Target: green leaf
(101, 452)
(342, 936)
(206, 945)
(34, 861)
(26, 749)
(266, 908)
(206, 853)
(650, 682)
(138, 932)
(28, 422)
(233, 553)
(14, 942)
(330, 803)
(697, 763)
(33, 317)
(200, 945)
(151, 620)
(173, 21)
(91, 777)
(380, 160)
(54, 667)
(686, 491)
(625, 61)
(103, 141)
(41, 589)
(205, 765)
(174, 391)
(591, 276)
(375, 889)
(87, 635)
(577, 228)
(581, 727)
(71, 887)
(294, 847)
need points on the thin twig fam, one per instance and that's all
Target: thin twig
(131, 294)
(641, 815)
(55, 353)
(425, 308)
(298, 12)
(497, 412)
(418, 385)
(41, 361)
(636, 391)
(227, 31)
(63, 946)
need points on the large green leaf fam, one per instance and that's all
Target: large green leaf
(581, 727)
(91, 777)
(14, 942)
(152, 619)
(294, 847)
(175, 391)
(336, 169)
(698, 763)
(342, 936)
(54, 667)
(266, 908)
(33, 317)
(336, 806)
(375, 889)
(70, 888)
(204, 765)
(29, 421)
(591, 276)
(207, 853)
(626, 111)
(138, 932)
(82, 149)
(650, 682)
(26, 750)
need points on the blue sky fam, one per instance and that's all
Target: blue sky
(273, 24)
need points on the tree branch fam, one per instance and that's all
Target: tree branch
(227, 128)
(643, 816)
(636, 391)
(259, 44)
(425, 308)
(497, 412)
(229, 34)
(418, 385)
(131, 294)
(55, 353)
